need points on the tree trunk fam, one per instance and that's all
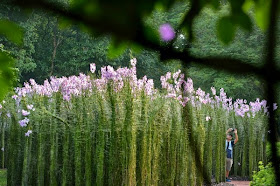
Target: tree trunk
(56, 43)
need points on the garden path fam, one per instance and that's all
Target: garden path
(240, 183)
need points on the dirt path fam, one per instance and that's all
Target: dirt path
(240, 183)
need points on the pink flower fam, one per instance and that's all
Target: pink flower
(33, 82)
(176, 75)
(168, 75)
(92, 67)
(28, 133)
(275, 106)
(213, 90)
(24, 122)
(166, 31)
(29, 107)
(14, 97)
(25, 113)
(189, 86)
(133, 62)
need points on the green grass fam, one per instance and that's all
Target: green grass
(3, 177)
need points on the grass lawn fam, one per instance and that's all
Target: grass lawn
(3, 177)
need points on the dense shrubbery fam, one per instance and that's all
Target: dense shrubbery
(120, 130)
(265, 176)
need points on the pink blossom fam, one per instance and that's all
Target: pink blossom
(28, 133)
(32, 82)
(24, 122)
(275, 106)
(166, 31)
(168, 75)
(15, 97)
(213, 90)
(133, 62)
(92, 67)
(25, 113)
(189, 86)
(176, 75)
(29, 107)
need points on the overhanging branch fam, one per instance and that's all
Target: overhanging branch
(231, 65)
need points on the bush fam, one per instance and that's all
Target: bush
(265, 176)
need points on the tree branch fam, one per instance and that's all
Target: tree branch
(230, 65)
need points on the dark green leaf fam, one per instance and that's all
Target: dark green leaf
(151, 34)
(116, 49)
(226, 29)
(243, 20)
(262, 13)
(12, 31)
(215, 4)
(6, 74)
(248, 4)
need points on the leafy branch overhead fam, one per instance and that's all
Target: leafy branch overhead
(7, 72)
(125, 20)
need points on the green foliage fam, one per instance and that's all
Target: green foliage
(3, 177)
(7, 74)
(269, 151)
(11, 31)
(265, 176)
(226, 29)
(247, 47)
(115, 50)
(262, 13)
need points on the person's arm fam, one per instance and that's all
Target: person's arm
(236, 136)
(229, 130)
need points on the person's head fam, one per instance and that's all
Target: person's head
(229, 136)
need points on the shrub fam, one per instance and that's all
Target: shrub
(265, 176)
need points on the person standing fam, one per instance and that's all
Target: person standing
(229, 150)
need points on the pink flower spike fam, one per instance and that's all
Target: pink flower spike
(92, 67)
(166, 31)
